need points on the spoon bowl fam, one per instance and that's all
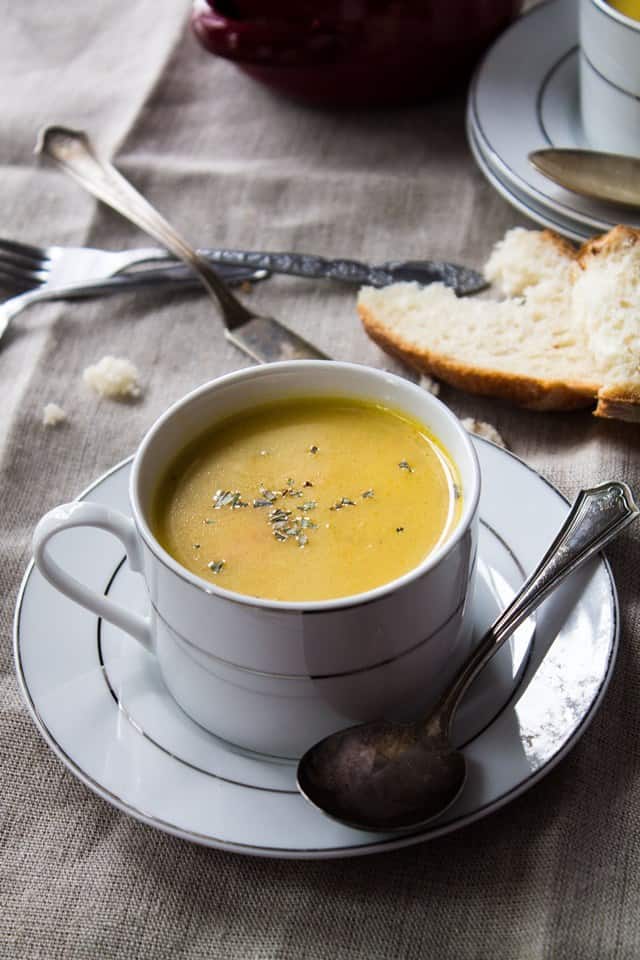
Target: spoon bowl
(391, 776)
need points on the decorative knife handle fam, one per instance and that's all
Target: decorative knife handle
(463, 280)
(305, 265)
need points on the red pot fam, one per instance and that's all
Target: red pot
(352, 52)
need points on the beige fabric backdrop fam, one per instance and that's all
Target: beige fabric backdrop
(553, 875)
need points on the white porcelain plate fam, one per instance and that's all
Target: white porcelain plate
(98, 700)
(541, 215)
(524, 97)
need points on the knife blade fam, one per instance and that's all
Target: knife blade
(590, 173)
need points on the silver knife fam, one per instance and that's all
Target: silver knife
(601, 176)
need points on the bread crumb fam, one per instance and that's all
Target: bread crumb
(483, 429)
(113, 377)
(53, 415)
(429, 384)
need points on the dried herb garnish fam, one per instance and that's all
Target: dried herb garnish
(196, 546)
(457, 492)
(278, 514)
(216, 566)
(399, 529)
(313, 448)
(284, 526)
(291, 492)
(405, 466)
(343, 502)
(280, 525)
(228, 498)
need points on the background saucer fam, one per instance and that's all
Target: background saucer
(524, 97)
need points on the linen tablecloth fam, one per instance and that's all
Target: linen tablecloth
(555, 873)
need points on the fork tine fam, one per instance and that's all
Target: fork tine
(21, 276)
(18, 262)
(9, 286)
(34, 255)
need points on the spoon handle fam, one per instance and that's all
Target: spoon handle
(598, 515)
(73, 150)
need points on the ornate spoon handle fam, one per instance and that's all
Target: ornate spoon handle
(598, 514)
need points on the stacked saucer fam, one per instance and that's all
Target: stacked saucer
(524, 97)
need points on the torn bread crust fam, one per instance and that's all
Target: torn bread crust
(617, 407)
(529, 392)
(619, 238)
(564, 247)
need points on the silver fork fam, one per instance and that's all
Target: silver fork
(50, 273)
(24, 264)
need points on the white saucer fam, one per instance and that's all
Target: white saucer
(98, 700)
(524, 97)
(519, 200)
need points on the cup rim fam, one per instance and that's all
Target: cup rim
(609, 11)
(471, 499)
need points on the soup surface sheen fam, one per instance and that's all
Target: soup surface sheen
(631, 8)
(307, 499)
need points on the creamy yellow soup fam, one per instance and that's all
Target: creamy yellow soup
(308, 499)
(631, 8)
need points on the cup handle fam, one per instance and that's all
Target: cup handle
(70, 515)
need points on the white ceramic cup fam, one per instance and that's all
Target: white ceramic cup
(272, 676)
(609, 78)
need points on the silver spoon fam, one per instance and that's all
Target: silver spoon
(601, 176)
(262, 338)
(391, 776)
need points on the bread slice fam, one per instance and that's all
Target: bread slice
(542, 347)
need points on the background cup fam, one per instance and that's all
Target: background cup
(609, 78)
(275, 677)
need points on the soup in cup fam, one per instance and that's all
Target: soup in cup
(307, 534)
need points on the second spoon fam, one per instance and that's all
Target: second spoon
(262, 338)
